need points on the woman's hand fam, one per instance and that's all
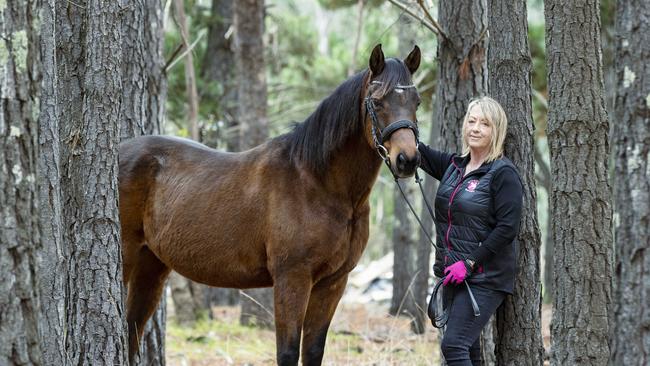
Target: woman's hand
(456, 273)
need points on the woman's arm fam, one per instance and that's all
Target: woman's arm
(507, 195)
(434, 162)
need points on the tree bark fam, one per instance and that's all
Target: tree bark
(187, 305)
(190, 76)
(52, 269)
(19, 236)
(630, 338)
(219, 70)
(462, 65)
(581, 195)
(144, 91)
(509, 65)
(253, 122)
(405, 229)
(462, 76)
(251, 72)
(89, 51)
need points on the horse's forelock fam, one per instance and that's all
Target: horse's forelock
(395, 73)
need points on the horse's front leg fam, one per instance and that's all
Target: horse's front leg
(323, 300)
(290, 294)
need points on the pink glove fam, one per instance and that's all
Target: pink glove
(456, 273)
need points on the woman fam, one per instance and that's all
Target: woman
(478, 209)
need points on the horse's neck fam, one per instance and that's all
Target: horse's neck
(354, 169)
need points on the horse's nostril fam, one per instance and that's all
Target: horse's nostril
(401, 160)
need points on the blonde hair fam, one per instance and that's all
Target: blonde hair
(496, 117)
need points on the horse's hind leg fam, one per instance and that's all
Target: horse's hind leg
(323, 300)
(146, 283)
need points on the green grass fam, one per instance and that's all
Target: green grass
(359, 335)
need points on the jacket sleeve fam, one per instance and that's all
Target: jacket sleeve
(434, 162)
(507, 194)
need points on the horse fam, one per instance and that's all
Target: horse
(291, 213)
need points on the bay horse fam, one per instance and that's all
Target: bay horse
(292, 213)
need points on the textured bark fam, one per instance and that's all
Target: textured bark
(253, 122)
(405, 228)
(190, 76)
(144, 91)
(509, 65)
(404, 246)
(251, 72)
(89, 55)
(424, 246)
(219, 69)
(143, 78)
(52, 271)
(462, 65)
(462, 76)
(186, 306)
(581, 194)
(19, 233)
(630, 338)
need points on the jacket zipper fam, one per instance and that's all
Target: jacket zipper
(451, 200)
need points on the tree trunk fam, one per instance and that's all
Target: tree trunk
(219, 70)
(462, 76)
(631, 336)
(581, 194)
(462, 65)
(19, 236)
(52, 269)
(253, 123)
(144, 88)
(405, 228)
(190, 76)
(187, 302)
(251, 72)
(89, 94)
(509, 65)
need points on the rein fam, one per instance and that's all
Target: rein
(438, 318)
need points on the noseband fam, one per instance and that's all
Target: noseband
(379, 134)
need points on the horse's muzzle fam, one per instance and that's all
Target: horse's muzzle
(406, 165)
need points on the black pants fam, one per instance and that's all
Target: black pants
(461, 341)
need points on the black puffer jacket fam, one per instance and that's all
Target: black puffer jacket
(477, 216)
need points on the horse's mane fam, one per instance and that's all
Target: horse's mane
(338, 117)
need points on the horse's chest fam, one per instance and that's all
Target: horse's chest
(351, 243)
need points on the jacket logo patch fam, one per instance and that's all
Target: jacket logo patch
(471, 186)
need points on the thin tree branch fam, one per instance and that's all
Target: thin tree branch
(417, 17)
(431, 20)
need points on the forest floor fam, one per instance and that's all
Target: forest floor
(361, 334)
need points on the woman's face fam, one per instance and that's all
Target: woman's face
(478, 130)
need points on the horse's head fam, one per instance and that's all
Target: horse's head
(391, 101)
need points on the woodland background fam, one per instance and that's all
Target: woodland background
(80, 75)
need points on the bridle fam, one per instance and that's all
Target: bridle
(379, 136)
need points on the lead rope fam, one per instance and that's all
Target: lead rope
(438, 319)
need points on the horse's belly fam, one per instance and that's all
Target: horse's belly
(225, 264)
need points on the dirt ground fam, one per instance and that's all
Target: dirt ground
(360, 335)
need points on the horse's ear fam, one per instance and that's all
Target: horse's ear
(412, 61)
(377, 60)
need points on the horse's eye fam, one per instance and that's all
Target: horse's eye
(377, 103)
